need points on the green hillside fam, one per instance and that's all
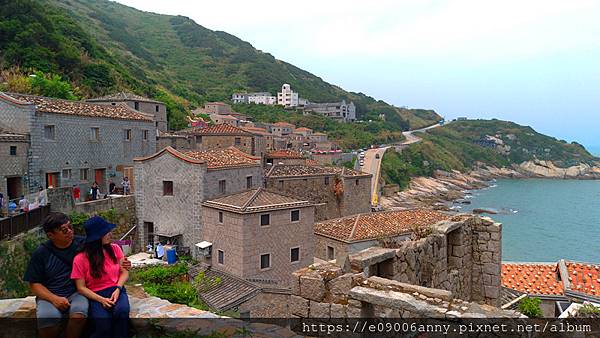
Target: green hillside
(99, 47)
(459, 146)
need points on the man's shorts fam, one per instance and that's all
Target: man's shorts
(48, 315)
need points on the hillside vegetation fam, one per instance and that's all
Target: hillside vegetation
(458, 146)
(99, 47)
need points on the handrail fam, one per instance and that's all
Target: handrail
(128, 232)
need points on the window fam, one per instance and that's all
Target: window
(295, 215)
(13, 150)
(295, 255)
(95, 134)
(49, 132)
(280, 184)
(265, 219)
(265, 261)
(84, 174)
(222, 186)
(198, 139)
(220, 217)
(136, 105)
(330, 253)
(167, 188)
(66, 173)
(221, 258)
(248, 182)
(326, 180)
(357, 181)
(127, 135)
(145, 135)
(238, 141)
(156, 108)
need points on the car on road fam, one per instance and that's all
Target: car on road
(377, 155)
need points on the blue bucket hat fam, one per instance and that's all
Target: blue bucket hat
(96, 227)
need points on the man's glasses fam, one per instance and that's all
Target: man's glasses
(65, 229)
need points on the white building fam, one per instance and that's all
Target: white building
(287, 97)
(262, 98)
(239, 98)
(340, 111)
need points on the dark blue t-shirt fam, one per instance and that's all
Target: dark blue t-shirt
(51, 271)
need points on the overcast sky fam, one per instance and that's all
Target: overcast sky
(533, 62)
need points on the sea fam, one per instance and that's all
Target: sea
(544, 220)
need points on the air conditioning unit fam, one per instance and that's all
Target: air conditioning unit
(204, 249)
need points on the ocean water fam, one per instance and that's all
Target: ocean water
(544, 220)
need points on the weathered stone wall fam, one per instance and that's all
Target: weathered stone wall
(235, 179)
(487, 260)
(212, 142)
(354, 199)
(13, 165)
(176, 142)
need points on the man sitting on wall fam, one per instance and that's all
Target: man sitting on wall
(49, 277)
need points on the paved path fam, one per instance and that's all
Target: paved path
(373, 164)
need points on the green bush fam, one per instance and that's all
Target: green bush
(588, 310)
(15, 256)
(531, 307)
(160, 274)
(178, 292)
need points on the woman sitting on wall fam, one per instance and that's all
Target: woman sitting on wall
(99, 276)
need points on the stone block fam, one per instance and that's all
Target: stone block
(483, 236)
(455, 262)
(299, 306)
(340, 285)
(491, 291)
(495, 236)
(458, 251)
(312, 286)
(338, 311)
(491, 268)
(353, 312)
(319, 310)
(486, 257)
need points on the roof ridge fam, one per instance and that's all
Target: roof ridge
(354, 227)
(251, 199)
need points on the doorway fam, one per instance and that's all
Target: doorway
(14, 187)
(52, 180)
(100, 178)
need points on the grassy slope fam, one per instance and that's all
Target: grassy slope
(453, 147)
(102, 46)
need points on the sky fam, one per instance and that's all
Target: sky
(533, 62)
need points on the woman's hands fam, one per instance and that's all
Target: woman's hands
(115, 295)
(106, 302)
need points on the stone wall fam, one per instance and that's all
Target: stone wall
(13, 165)
(212, 142)
(354, 199)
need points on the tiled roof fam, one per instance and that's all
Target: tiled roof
(214, 159)
(283, 154)
(584, 278)
(284, 124)
(532, 278)
(224, 158)
(377, 225)
(303, 129)
(255, 200)
(216, 129)
(255, 130)
(122, 96)
(309, 170)
(170, 134)
(229, 293)
(223, 117)
(311, 162)
(58, 106)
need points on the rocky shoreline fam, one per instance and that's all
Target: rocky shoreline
(445, 188)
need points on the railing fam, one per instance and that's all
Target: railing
(22, 222)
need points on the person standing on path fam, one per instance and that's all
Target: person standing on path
(94, 191)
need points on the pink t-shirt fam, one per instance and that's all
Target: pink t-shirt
(110, 277)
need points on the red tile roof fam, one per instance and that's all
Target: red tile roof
(122, 96)
(282, 170)
(532, 278)
(255, 130)
(584, 278)
(284, 124)
(57, 106)
(256, 200)
(377, 225)
(284, 154)
(303, 129)
(214, 159)
(216, 129)
(224, 158)
(311, 162)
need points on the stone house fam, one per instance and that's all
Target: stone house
(225, 119)
(337, 192)
(281, 128)
(175, 140)
(74, 142)
(221, 136)
(13, 163)
(343, 236)
(143, 104)
(172, 184)
(317, 137)
(339, 111)
(259, 235)
(306, 132)
(262, 135)
(286, 157)
(217, 108)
